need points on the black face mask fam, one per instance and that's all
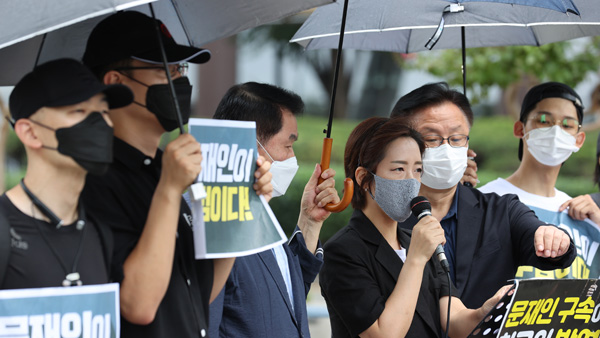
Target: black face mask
(89, 143)
(160, 103)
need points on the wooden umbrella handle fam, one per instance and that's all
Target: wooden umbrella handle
(348, 185)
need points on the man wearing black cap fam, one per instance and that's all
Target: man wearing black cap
(487, 236)
(60, 115)
(164, 291)
(549, 132)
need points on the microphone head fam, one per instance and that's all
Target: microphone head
(418, 205)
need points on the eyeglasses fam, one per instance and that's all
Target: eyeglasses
(455, 141)
(569, 125)
(180, 69)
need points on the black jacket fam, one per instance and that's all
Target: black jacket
(494, 236)
(359, 274)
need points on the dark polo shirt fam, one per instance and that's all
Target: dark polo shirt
(41, 255)
(121, 199)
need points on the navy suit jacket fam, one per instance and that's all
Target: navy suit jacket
(255, 301)
(494, 236)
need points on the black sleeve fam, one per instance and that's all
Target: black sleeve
(442, 283)
(350, 288)
(103, 204)
(310, 263)
(4, 238)
(523, 225)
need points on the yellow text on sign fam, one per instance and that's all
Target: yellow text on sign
(223, 204)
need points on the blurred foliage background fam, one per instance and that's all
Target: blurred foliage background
(503, 67)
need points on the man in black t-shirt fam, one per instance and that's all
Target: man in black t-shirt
(164, 291)
(59, 113)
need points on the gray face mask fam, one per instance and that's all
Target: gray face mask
(394, 196)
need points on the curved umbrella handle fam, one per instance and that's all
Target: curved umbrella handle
(348, 184)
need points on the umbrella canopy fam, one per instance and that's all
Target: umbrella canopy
(24, 19)
(563, 6)
(46, 35)
(405, 26)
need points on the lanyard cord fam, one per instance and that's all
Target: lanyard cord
(71, 277)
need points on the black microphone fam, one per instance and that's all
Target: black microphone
(421, 207)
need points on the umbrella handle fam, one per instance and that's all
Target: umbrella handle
(348, 184)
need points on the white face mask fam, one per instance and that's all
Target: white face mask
(443, 166)
(283, 173)
(550, 146)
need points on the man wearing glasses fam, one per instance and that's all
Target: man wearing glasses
(487, 236)
(549, 132)
(164, 291)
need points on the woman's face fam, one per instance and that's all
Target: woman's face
(402, 160)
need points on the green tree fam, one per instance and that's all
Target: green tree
(568, 61)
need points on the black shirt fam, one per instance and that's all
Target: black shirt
(32, 262)
(121, 199)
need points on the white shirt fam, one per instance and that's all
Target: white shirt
(402, 254)
(282, 262)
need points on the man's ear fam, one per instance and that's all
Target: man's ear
(112, 77)
(27, 134)
(519, 129)
(262, 144)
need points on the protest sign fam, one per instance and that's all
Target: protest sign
(84, 311)
(231, 220)
(546, 308)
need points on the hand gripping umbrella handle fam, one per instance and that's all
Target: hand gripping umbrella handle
(348, 185)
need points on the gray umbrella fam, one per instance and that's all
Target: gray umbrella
(406, 26)
(36, 31)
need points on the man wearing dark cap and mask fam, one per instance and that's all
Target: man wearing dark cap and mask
(60, 115)
(164, 291)
(549, 132)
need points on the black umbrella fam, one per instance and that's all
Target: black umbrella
(59, 28)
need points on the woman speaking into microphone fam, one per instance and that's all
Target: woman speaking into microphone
(379, 280)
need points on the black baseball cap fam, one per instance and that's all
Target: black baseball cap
(545, 91)
(132, 34)
(62, 82)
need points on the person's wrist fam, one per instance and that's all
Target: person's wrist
(417, 261)
(168, 189)
(305, 222)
